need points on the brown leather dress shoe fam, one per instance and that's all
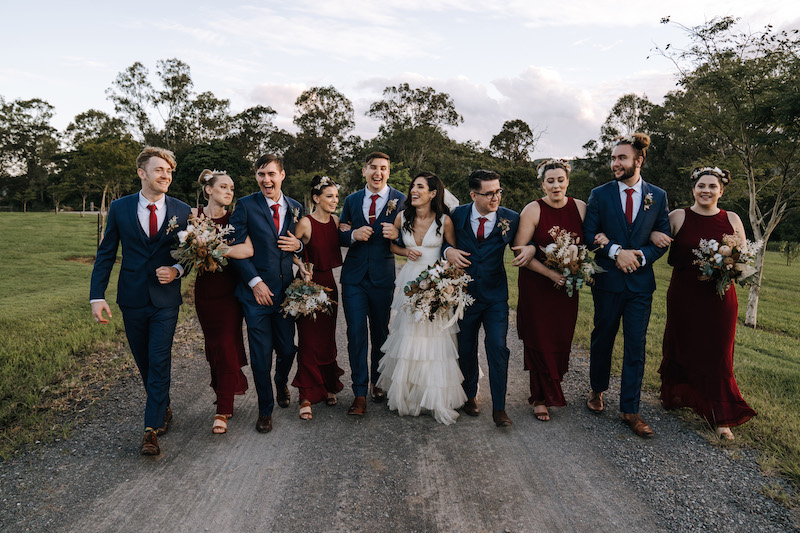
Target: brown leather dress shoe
(264, 424)
(282, 396)
(595, 402)
(378, 395)
(167, 419)
(638, 425)
(501, 419)
(358, 407)
(150, 443)
(471, 407)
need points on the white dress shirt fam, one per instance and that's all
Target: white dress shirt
(380, 203)
(637, 203)
(488, 226)
(283, 208)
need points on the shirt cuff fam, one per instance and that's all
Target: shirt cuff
(642, 258)
(255, 281)
(612, 250)
(179, 268)
(97, 300)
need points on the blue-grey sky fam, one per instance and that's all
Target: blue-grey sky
(559, 66)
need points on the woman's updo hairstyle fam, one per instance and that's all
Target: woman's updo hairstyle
(552, 164)
(209, 177)
(319, 183)
(724, 176)
(639, 141)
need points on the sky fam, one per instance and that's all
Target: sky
(558, 67)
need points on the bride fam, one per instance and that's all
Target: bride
(420, 369)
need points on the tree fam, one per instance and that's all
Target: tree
(515, 142)
(28, 145)
(253, 134)
(216, 155)
(406, 108)
(742, 89)
(93, 125)
(626, 117)
(325, 118)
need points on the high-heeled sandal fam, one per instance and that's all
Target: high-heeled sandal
(305, 410)
(544, 416)
(220, 425)
(331, 399)
(724, 433)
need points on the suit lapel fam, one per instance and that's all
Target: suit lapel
(359, 210)
(261, 200)
(468, 226)
(133, 213)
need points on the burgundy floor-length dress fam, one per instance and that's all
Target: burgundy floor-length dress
(221, 318)
(317, 371)
(697, 368)
(546, 315)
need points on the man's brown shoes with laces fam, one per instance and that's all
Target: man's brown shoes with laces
(638, 425)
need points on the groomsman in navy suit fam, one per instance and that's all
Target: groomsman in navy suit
(625, 211)
(268, 217)
(368, 274)
(149, 287)
(483, 230)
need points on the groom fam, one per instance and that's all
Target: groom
(268, 217)
(626, 210)
(368, 274)
(483, 230)
(149, 286)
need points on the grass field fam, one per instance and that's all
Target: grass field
(48, 340)
(766, 360)
(49, 343)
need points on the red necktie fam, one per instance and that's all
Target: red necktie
(153, 220)
(372, 209)
(481, 222)
(629, 206)
(276, 217)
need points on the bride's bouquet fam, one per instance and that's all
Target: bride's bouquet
(306, 298)
(202, 244)
(438, 289)
(570, 259)
(727, 262)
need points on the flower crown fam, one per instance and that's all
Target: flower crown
(324, 181)
(716, 171)
(214, 173)
(559, 163)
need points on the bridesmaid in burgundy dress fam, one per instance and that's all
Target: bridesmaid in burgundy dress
(546, 315)
(317, 376)
(697, 368)
(218, 309)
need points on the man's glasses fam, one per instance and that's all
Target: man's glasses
(491, 195)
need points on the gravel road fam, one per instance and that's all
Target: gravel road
(578, 472)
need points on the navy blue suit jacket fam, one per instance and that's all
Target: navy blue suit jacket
(253, 217)
(138, 285)
(489, 283)
(373, 256)
(604, 214)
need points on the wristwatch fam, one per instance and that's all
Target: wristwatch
(617, 252)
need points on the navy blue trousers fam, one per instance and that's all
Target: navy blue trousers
(633, 308)
(150, 331)
(494, 317)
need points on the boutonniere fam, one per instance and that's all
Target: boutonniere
(504, 224)
(391, 206)
(295, 214)
(648, 200)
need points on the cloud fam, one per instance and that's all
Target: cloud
(281, 98)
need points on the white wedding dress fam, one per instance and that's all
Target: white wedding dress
(419, 369)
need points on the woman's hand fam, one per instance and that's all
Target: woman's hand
(524, 256)
(557, 278)
(661, 240)
(344, 226)
(601, 239)
(413, 255)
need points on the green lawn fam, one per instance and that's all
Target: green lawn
(766, 360)
(47, 334)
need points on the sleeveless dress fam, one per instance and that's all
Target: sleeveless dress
(220, 317)
(546, 315)
(697, 366)
(419, 370)
(317, 371)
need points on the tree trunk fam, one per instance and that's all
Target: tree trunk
(83, 206)
(751, 315)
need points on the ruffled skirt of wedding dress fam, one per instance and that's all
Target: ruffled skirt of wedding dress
(419, 369)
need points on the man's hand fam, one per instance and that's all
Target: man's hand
(458, 257)
(661, 240)
(363, 233)
(390, 231)
(262, 293)
(166, 274)
(526, 253)
(628, 261)
(289, 243)
(97, 311)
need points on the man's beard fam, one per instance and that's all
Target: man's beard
(627, 173)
